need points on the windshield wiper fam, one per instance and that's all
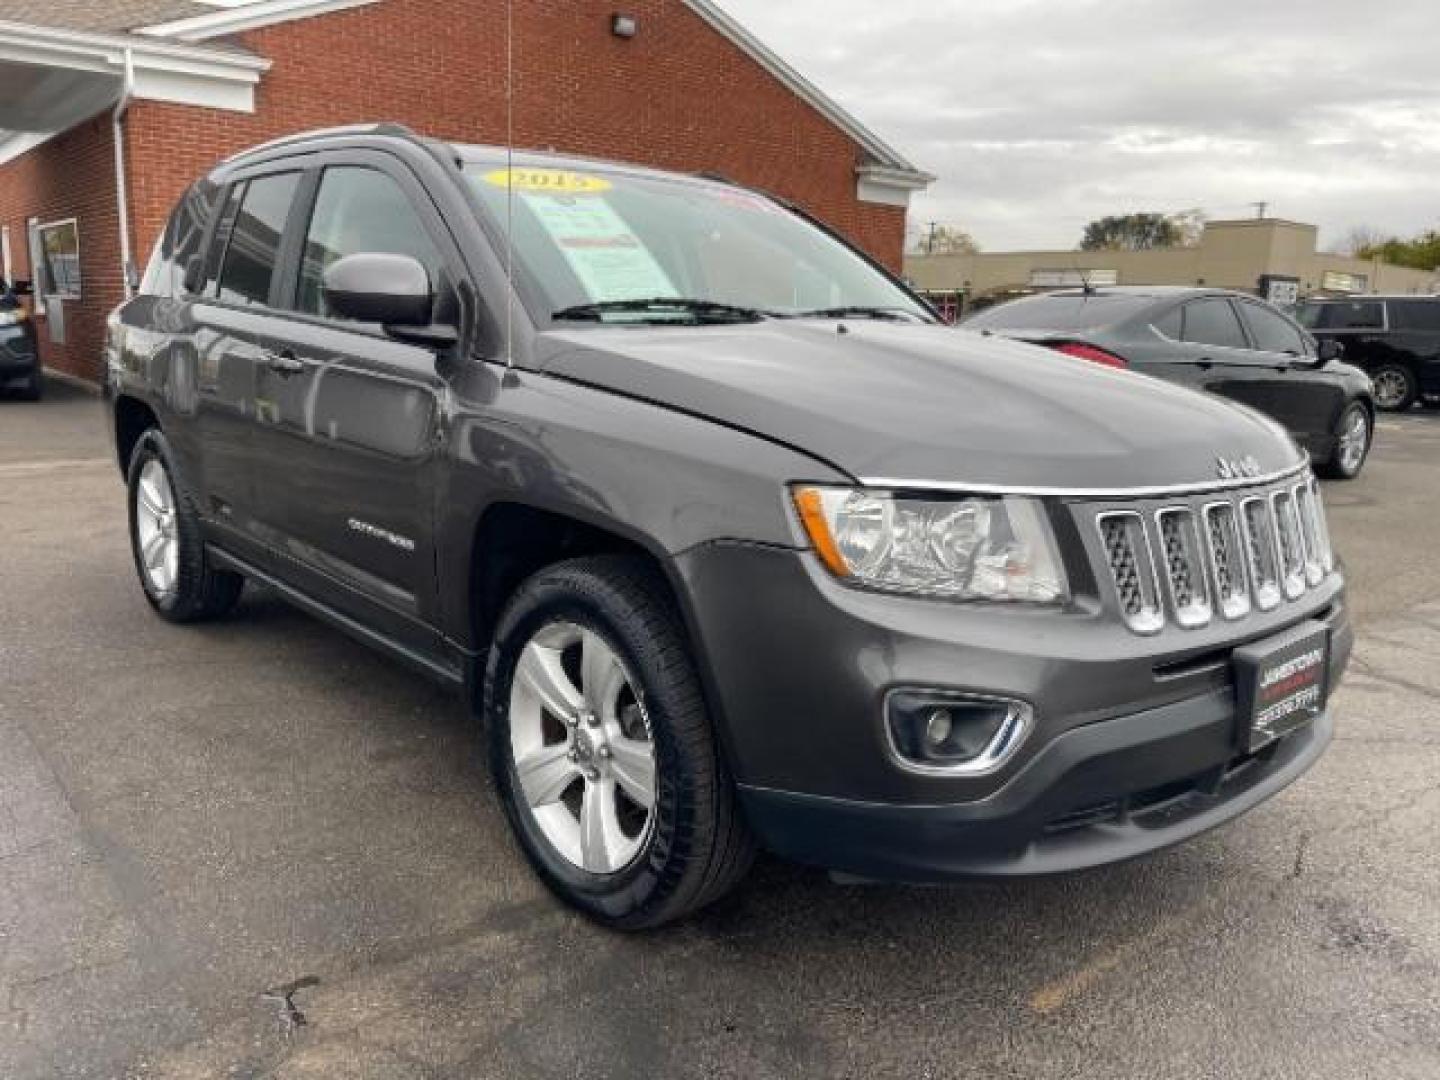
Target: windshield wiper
(662, 305)
(855, 311)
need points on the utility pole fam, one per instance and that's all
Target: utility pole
(1260, 208)
(930, 240)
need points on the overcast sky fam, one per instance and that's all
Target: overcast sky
(1039, 115)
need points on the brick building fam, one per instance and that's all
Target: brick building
(108, 108)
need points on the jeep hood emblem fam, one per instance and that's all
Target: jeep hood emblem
(1241, 468)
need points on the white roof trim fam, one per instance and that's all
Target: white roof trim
(164, 70)
(884, 154)
(252, 16)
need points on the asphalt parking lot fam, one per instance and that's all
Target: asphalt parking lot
(190, 818)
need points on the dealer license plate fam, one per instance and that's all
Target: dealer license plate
(1281, 683)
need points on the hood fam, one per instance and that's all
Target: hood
(923, 403)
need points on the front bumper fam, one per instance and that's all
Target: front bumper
(18, 356)
(1099, 794)
(1134, 747)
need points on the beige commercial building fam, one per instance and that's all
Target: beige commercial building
(1267, 256)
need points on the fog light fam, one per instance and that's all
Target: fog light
(938, 728)
(956, 734)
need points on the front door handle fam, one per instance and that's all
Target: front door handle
(284, 362)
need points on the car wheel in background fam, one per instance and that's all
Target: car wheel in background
(35, 388)
(1396, 387)
(166, 540)
(601, 749)
(1353, 435)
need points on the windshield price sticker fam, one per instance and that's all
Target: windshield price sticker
(611, 262)
(548, 181)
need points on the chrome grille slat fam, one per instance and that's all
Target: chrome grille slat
(1234, 554)
(1184, 564)
(1292, 548)
(1227, 560)
(1132, 570)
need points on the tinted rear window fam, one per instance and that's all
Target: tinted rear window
(1060, 313)
(1415, 315)
(1342, 315)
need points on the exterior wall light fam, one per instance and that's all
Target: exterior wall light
(623, 26)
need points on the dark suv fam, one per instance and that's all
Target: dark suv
(1395, 338)
(728, 539)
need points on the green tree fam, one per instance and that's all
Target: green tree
(1133, 232)
(1421, 252)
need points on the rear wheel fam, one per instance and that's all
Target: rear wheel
(601, 749)
(1353, 434)
(1396, 387)
(167, 543)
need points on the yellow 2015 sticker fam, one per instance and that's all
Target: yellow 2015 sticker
(548, 181)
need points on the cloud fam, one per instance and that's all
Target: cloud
(1039, 116)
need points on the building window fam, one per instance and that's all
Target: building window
(59, 258)
(7, 267)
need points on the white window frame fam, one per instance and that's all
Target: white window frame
(37, 265)
(40, 228)
(7, 266)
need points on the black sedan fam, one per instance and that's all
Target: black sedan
(1225, 342)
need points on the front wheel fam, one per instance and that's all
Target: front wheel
(601, 749)
(1353, 434)
(1396, 387)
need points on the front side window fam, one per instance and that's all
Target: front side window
(254, 244)
(1272, 332)
(60, 258)
(359, 210)
(593, 235)
(1213, 322)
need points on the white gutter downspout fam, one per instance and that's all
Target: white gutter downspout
(122, 201)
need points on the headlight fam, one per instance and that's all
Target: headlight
(997, 548)
(11, 316)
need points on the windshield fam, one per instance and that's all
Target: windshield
(1068, 312)
(592, 237)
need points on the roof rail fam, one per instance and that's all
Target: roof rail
(382, 128)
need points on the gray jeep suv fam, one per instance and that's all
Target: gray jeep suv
(730, 542)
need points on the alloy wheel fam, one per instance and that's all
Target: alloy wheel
(155, 528)
(582, 748)
(1354, 439)
(1391, 388)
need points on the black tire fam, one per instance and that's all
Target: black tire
(1339, 467)
(699, 846)
(1395, 374)
(200, 591)
(33, 390)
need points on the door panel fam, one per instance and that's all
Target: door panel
(346, 450)
(1286, 385)
(347, 436)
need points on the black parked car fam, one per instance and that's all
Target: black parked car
(19, 356)
(1224, 342)
(1395, 338)
(730, 542)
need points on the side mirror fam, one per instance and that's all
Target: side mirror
(1328, 350)
(393, 290)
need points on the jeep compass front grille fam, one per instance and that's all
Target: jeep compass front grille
(1186, 561)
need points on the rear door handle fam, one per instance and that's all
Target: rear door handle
(284, 362)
